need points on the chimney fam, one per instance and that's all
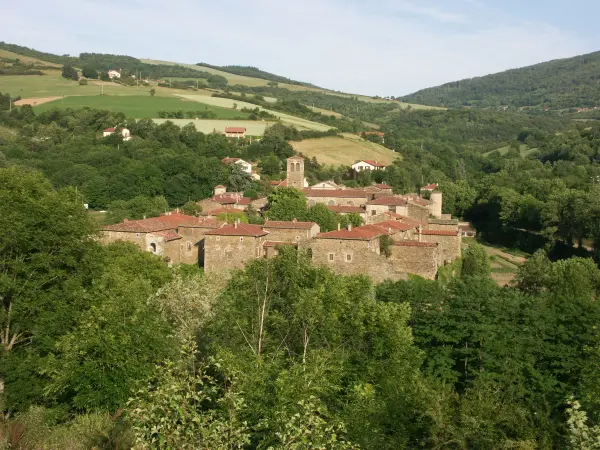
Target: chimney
(349, 227)
(126, 220)
(144, 216)
(420, 231)
(294, 220)
(339, 226)
(235, 224)
(390, 230)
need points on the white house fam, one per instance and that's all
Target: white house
(368, 164)
(235, 132)
(245, 165)
(114, 74)
(124, 131)
(327, 185)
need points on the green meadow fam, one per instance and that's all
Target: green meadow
(139, 107)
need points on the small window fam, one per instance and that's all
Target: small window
(350, 203)
(241, 239)
(218, 238)
(331, 203)
(297, 167)
(153, 247)
(391, 208)
(348, 257)
(373, 212)
(297, 238)
(293, 167)
(189, 246)
(331, 257)
(137, 234)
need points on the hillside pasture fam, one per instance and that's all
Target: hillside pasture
(253, 127)
(26, 59)
(344, 150)
(53, 85)
(138, 107)
(301, 124)
(524, 150)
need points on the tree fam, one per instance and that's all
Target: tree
(286, 204)
(270, 165)
(234, 106)
(191, 209)
(70, 73)
(152, 92)
(83, 82)
(239, 180)
(89, 72)
(319, 213)
(475, 262)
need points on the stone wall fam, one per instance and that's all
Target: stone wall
(443, 226)
(416, 258)
(450, 246)
(224, 253)
(193, 244)
(209, 204)
(353, 257)
(417, 212)
(339, 201)
(288, 235)
(138, 239)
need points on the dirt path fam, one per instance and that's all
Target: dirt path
(35, 101)
(518, 260)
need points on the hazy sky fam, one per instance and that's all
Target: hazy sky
(385, 47)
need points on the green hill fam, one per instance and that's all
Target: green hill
(557, 84)
(254, 72)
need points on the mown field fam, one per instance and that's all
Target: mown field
(53, 84)
(25, 59)
(253, 127)
(139, 107)
(301, 124)
(524, 150)
(344, 151)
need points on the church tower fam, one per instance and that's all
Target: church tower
(295, 172)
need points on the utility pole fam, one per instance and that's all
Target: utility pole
(9, 103)
(102, 88)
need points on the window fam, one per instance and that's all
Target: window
(373, 212)
(292, 167)
(331, 257)
(218, 238)
(348, 257)
(350, 203)
(189, 246)
(153, 247)
(241, 239)
(312, 202)
(297, 167)
(137, 234)
(392, 209)
(331, 203)
(297, 238)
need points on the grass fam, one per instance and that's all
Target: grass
(343, 151)
(301, 124)
(26, 59)
(524, 150)
(53, 84)
(253, 127)
(137, 106)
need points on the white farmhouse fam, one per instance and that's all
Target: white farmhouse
(114, 74)
(124, 131)
(368, 164)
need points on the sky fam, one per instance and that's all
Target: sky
(375, 47)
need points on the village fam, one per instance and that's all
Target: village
(400, 235)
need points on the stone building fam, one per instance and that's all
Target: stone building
(231, 246)
(291, 231)
(295, 172)
(167, 236)
(337, 197)
(417, 258)
(395, 204)
(449, 243)
(345, 210)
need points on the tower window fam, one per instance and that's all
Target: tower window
(292, 167)
(331, 257)
(153, 247)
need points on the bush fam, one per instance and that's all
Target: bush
(83, 82)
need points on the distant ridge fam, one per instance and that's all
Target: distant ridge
(561, 83)
(250, 71)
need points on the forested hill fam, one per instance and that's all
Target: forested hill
(253, 72)
(561, 83)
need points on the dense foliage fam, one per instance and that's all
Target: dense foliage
(562, 83)
(249, 71)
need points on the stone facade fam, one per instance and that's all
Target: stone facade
(295, 172)
(231, 246)
(449, 243)
(297, 232)
(417, 258)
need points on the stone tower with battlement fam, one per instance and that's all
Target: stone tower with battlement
(295, 172)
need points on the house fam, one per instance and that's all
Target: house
(327, 185)
(124, 132)
(235, 132)
(368, 164)
(291, 231)
(373, 133)
(429, 188)
(231, 246)
(114, 74)
(245, 165)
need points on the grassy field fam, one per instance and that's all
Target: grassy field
(325, 112)
(524, 149)
(343, 151)
(503, 262)
(138, 107)
(53, 84)
(301, 124)
(26, 59)
(253, 127)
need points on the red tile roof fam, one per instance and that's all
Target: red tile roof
(235, 130)
(430, 187)
(372, 162)
(240, 229)
(346, 209)
(110, 130)
(439, 233)
(354, 234)
(219, 186)
(229, 160)
(387, 227)
(414, 244)
(296, 157)
(216, 212)
(289, 224)
(406, 219)
(244, 201)
(383, 186)
(169, 222)
(340, 193)
(420, 201)
(276, 243)
(225, 199)
(168, 235)
(205, 222)
(388, 201)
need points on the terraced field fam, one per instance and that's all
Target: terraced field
(344, 150)
(253, 127)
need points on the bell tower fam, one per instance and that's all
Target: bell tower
(295, 172)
